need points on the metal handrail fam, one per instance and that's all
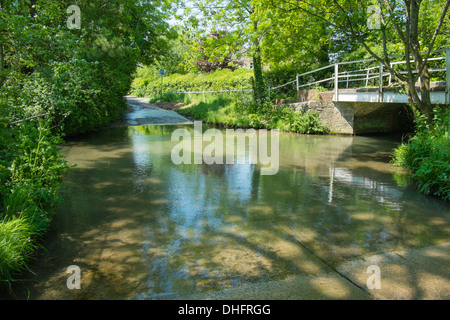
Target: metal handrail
(219, 91)
(349, 76)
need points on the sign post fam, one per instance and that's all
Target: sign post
(162, 72)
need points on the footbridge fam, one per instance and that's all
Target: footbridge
(358, 97)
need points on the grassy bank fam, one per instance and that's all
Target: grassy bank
(237, 110)
(30, 170)
(427, 155)
(147, 84)
(233, 109)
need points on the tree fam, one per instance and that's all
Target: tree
(78, 76)
(209, 61)
(400, 21)
(294, 40)
(243, 31)
(34, 32)
(182, 53)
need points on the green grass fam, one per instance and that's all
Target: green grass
(30, 170)
(146, 85)
(16, 246)
(427, 156)
(238, 110)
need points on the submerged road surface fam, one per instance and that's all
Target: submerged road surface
(337, 221)
(144, 113)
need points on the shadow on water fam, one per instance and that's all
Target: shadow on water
(141, 227)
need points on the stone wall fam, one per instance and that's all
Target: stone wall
(338, 117)
(358, 118)
(314, 95)
(352, 117)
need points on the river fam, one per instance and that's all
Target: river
(141, 227)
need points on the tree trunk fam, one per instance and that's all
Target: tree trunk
(260, 89)
(2, 59)
(2, 64)
(420, 103)
(425, 94)
(412, 43)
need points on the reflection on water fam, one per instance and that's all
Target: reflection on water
(141, 227)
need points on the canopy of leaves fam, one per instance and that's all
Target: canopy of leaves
(208, 61)
(68, 71)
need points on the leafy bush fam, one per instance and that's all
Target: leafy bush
(278, 77)
(30, 170)
(167, 97)
(75, 80)
(216, 81)
(427, 155)
(286, 119)
(78, 95)
(243, 112)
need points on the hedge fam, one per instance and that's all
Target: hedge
(219, 80)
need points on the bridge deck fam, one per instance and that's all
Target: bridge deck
(389, 95)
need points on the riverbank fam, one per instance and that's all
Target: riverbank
(427, 155)
(31, 167)
(240, 111)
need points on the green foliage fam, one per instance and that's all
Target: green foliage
(78, 76)
(212, 61)
(80, 96)
(427, 155)
(74, 80)
(216, 81)
(299, 41)
(30, 170)
(181, 54)
(259, 88)
(168, 97)
(279, 76)
(16, 246)
(243, 36)
(287, 119)
(243, 112)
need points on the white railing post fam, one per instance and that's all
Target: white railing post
(447, 73)
(390, 74)
(380, 94)
(367, 77)
(336, 81)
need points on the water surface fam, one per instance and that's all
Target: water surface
(141, 227)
